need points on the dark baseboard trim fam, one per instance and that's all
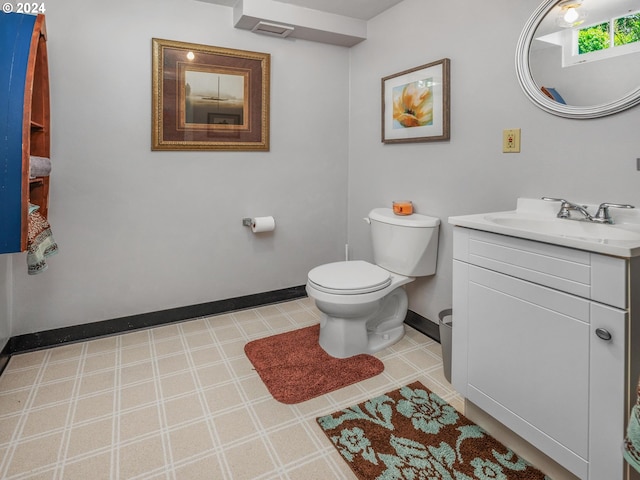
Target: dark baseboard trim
(423, 325)
(4, 360)
(49, 338)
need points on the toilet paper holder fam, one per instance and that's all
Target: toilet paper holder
(260, 224)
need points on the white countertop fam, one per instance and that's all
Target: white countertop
(535, 219)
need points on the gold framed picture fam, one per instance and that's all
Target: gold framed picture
(209, 98)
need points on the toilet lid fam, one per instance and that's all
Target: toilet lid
(349, 278)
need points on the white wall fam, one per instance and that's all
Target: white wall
(591, 161)
(142, 231)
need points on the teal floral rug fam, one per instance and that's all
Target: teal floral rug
(413, 434)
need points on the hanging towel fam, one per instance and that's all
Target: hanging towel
(39, 167)
(40, 243)
(631, 450)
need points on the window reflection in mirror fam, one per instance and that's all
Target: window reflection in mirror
(593, 62)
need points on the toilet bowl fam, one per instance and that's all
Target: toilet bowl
(364, 305)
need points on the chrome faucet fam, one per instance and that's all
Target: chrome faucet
(566, 207)
(602, 215)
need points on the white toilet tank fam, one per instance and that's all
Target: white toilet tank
(404, 244)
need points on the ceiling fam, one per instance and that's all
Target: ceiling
(361, 9)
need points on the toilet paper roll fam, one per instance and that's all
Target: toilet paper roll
(263, 224)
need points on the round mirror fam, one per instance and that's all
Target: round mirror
(573, 60)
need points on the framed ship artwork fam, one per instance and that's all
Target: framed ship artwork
(209, 98)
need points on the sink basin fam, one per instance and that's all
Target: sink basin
(536, 219)
(567, 228)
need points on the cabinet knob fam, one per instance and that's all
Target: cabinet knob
(603, 334)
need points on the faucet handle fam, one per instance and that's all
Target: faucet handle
(615, 205)
(602, 214)
(564, 206)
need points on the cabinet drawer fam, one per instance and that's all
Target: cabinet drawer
(588, 275)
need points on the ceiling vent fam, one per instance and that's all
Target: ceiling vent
(278, 19)
(272, 29)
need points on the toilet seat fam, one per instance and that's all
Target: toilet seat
(349, 278)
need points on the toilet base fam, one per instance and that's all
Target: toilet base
(379, 325)
(379, 341)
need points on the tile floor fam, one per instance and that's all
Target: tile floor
(182, 401)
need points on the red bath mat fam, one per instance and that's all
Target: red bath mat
(295, 368)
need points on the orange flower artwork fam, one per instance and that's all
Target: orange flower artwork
(413, 104)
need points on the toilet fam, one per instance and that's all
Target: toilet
(364, 305)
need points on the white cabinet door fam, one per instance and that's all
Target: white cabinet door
(607, 392)
(528, 362)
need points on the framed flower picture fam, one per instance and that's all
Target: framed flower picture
(415, 104)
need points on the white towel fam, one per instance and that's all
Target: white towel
(39, 167)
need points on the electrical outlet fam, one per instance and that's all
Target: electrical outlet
(511, 141)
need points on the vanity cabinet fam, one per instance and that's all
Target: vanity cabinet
(24, 124)
(543, 342)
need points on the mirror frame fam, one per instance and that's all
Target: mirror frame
(533, 91)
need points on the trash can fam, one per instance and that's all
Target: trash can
(446, 329)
